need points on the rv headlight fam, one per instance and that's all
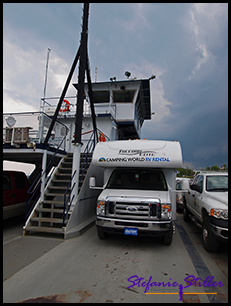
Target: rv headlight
(100, 210)
(166, 212)
(219, 213)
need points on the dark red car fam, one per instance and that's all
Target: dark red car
(15, 187)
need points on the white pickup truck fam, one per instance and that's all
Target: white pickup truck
(207, 205)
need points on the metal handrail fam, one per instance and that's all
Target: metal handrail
(32, 191)
(87, 155)
(66, 201)
(39, 181)
(85, 161)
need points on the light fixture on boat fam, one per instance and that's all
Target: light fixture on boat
(127, 74)
(152, 77)
(112, 79)
(10, 121)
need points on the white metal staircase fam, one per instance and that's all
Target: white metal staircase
(52, 214)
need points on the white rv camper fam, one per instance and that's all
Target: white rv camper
(137, 197)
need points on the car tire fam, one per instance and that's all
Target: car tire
(167, 240)
(186, 214)
(210, 242)
(101, 233)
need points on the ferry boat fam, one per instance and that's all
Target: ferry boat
(60, 200)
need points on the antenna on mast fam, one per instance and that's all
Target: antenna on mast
(96, 74)
(45, 83)
(97, 44)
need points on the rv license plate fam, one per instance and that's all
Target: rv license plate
(131, 231)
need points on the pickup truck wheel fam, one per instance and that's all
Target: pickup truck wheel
(101, 234)
(186, 214)
(167, 240)
(210, 242)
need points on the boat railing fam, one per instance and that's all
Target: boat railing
(30, 128)
(100, 108)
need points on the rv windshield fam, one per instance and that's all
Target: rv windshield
(138, 179)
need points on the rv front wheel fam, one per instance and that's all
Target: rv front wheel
(101, 233)
(167, 240)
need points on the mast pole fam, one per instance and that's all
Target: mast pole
(80, 98)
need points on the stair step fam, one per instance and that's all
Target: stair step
(53, 210)
(59, 187)
(56, 205)
(69, 168)
(64, 175)
(67, 162)
(65, 171)
(50, 210)
(56, 194)
(61, 181)
(53, 194)
(52, 202)
(66, 166)
(43, 219)
(45, 229)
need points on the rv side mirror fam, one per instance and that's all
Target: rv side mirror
(193, 187)
(92, 182)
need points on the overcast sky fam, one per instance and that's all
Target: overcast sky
(184, 45)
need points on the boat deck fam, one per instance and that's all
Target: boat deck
(41, 268)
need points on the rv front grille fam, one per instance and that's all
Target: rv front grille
(131, 209)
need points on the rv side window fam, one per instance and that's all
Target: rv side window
(138, 179)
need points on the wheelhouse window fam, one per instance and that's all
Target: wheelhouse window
(123, 96)
(102, 96)
(140, 179)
